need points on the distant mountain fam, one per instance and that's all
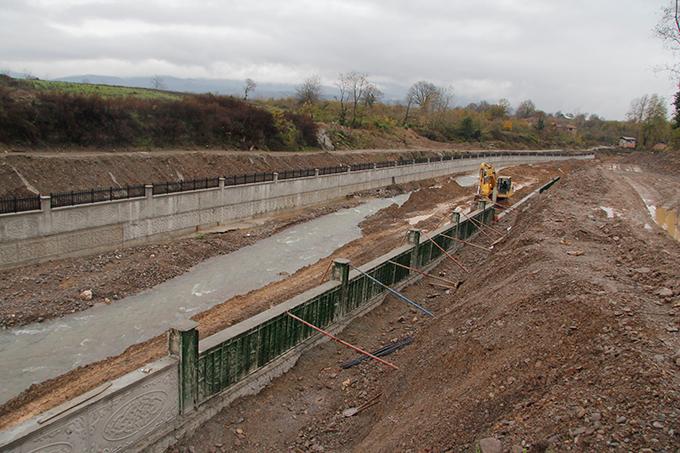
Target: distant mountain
(392, 92)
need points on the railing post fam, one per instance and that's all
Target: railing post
(45, 204)
(316, 172)
(221, 180)
(148, 191)
(276, 176)
(455, 218)
(349, 168)
(183, 344)
(414, 238)
(340, 272)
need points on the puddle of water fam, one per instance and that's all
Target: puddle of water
(36, 352)
(467, 180)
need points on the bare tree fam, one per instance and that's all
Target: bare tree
(442, 99)
(638, 108)
(352, 86)
(157, 82)
(668, 29)
(372, 95)
(309, 92)
(423, 94)
(525, 109)
(248, 88)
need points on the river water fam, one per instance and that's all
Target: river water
(37, 352)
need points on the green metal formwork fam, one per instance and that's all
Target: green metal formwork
(224, 365)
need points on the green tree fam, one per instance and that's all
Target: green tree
(469, 130)
(654, 127)
(540, 124)
(676, 113)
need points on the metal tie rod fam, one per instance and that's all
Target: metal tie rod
(399, 295)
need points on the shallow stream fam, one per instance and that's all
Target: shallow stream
(36, 352)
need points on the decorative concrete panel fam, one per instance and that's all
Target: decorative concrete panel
(133, 408)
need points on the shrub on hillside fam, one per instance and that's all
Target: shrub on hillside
(57, 118)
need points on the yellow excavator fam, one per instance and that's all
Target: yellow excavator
(491, 186)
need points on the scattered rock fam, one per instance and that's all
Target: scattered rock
(621, 419)
(350, 412)
(86, 295)
(643, 270)
(575, 252)
(490, 445)
(664, 292)
(657, 424)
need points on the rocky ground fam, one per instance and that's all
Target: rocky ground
(381, 234)
(563, 338)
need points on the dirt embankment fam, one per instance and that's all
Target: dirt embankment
(381, 234)
(27, 173)
(563, 338)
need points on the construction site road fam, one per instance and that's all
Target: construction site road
(564, 338)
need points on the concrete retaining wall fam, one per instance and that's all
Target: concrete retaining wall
(122, 415)
(41, 235)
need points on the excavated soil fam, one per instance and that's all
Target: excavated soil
(26, 173)
(564, 337)
(381, 234)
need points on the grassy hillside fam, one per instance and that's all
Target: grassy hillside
(89, 89)
(37, 113)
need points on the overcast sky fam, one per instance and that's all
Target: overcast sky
(574, 56)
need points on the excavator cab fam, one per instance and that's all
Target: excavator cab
(504, 187)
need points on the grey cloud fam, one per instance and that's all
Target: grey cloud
(578, 55)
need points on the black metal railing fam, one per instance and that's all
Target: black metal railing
(183, 186)
(59, 199)
(290, 174)
(359, 167)
(332, 170)
(248, 179)
(19, 204)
